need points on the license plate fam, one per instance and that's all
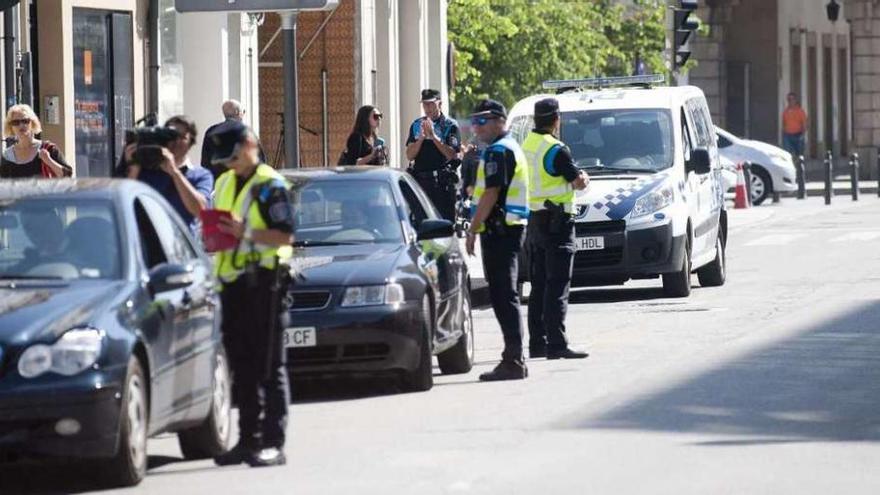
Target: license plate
(590, 243)
(300, 337)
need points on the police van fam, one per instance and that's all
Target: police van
(655, 204)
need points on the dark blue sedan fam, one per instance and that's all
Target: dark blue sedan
(109, 327)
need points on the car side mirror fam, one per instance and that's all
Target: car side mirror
(435, 229)
(700, 161)
(170, 276)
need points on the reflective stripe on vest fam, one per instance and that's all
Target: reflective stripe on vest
(542, 185)
(229, 265)
(516, 209)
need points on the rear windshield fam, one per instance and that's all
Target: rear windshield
(620, 139)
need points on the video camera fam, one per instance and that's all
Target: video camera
(150, 140)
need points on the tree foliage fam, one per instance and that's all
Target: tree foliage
(506, 48)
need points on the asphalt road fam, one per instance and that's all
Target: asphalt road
(770, 384)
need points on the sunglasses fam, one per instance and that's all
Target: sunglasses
(377, 116)
(18, 122)
(481, 120)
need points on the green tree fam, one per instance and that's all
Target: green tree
(506, 48)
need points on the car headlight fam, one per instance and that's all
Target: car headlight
(373, 295)
(75, 351)
(653, 201)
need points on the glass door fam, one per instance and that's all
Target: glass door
(103, 88)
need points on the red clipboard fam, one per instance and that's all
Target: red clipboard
(212, 238)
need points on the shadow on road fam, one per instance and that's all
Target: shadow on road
(615, 294)
(341, 389)
(821, 385)
(49, 477)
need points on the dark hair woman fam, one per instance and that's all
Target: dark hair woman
(364, 146)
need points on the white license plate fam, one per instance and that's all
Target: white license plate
(590, 243)
(300, 337)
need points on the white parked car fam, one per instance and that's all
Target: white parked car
(728, 173)
(772, 167)
(654, 207)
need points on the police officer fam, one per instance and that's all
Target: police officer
(551, 236)
(253, 278)
(500, 215)
(433, 147)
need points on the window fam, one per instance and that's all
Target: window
(686, 136)
(172, 238)
(723, 142)
(620, 139)
(417, 213)
(59, 238)
(702, 125)
(341, 212)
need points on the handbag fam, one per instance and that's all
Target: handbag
(45, 169)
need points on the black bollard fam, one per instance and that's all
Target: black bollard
(878, 172)
(854, 175)
(829, 179)
(747, 175)
(802, 177)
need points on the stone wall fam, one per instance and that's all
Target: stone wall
(864, 18)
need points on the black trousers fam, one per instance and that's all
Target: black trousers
(551, 260)
(257, 358)
(441, 195)
(500, 267)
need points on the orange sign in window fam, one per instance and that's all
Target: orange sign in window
(87, 67)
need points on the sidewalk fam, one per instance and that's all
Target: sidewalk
(841, 187)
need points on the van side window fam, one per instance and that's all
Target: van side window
(686, 136)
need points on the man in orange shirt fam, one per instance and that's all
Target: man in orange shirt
(794, 125)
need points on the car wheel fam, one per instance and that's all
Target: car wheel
(422, 378)
(129, 466)
(714, 274)
(460, 358)
(762, 185)
(678, 284)
(211, 438)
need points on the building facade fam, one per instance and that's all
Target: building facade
(378, 52)
(92, 68)
(757, 51)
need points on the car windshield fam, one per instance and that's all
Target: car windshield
(345, 212)
(58, 239)
(638, 140)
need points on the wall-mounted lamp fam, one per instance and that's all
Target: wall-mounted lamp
(833, 10)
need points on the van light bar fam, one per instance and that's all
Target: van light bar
(605, 82)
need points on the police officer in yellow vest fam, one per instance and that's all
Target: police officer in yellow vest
(551, 234)
(253, 277)
(499, 215)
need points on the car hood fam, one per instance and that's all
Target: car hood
(613, 197)
(763, 147)
(33, 312)
(362, 264)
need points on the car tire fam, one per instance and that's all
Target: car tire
(715, 273)
(421, 379)
(212, 437)
(678, 284)
(460, 358)
(129, 466)
(762, 185)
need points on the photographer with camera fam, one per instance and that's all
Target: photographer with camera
(158, 157)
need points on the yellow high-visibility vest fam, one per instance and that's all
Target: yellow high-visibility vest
(229, 265)
(516, 208)
(542, 186)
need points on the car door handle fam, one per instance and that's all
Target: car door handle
(186, 301)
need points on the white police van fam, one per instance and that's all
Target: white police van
(655, 205)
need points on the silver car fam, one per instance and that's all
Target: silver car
(772, 167)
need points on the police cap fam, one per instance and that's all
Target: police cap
(546, 107)
(430, 95)
(490, 107)
(226, 137)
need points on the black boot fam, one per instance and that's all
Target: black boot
(506, 370)
(566, 354)
(272, 456)
(239, 454)
(537, 352)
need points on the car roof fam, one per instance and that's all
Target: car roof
(343, 173)
(91, 188)
(613, 98)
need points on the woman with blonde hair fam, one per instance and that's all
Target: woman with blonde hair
(29, 156)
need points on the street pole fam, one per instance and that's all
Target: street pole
(291, 96)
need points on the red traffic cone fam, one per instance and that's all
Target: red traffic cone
(741, 200)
